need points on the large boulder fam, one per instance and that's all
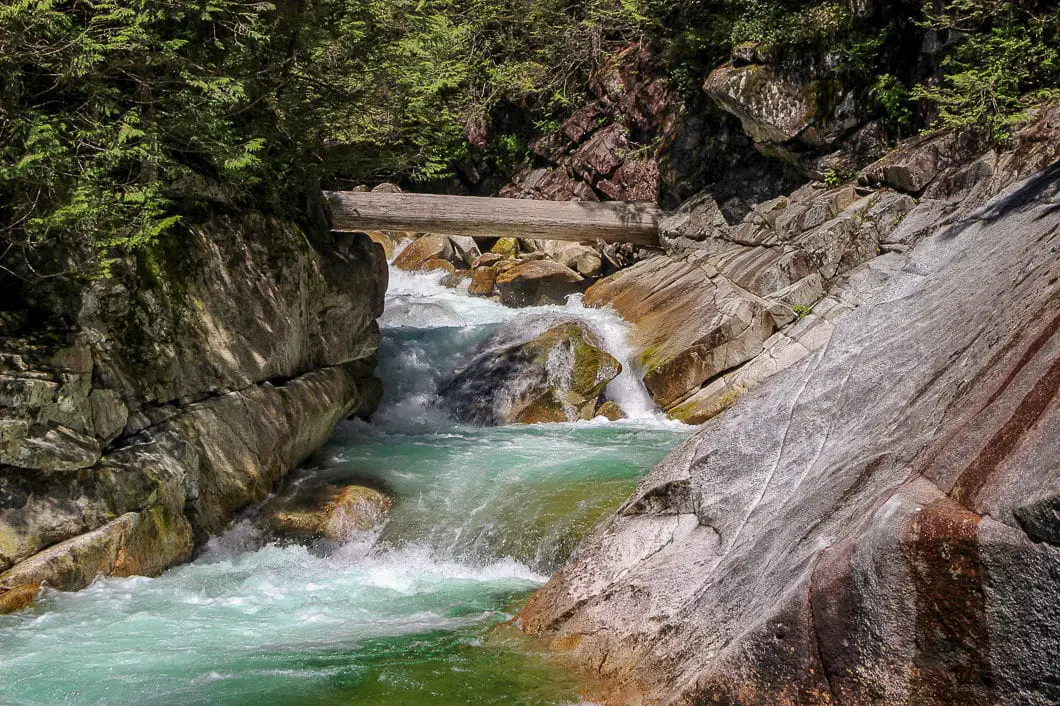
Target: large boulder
(536, 282)
(771, 107)
(797, 110)
(877, 523)
(558, 375)
(687, 326)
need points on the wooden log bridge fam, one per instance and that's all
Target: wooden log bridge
(611, 221)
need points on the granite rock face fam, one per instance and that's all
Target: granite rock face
(874, 524)
(177, 394)
(734, 301)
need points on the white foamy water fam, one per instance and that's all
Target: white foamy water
(417, 302)
(404, 616)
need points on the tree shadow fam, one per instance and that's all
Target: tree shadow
(1035, 191)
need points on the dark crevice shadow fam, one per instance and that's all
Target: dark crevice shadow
(1036, 191)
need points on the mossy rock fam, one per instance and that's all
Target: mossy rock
(506, 247)
(557, 376)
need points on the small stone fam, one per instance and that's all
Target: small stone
(506, 247)
(482, 281)
(419, 251)
(486, 260)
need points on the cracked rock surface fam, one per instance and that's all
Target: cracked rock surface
(876, 523)
(174, 398)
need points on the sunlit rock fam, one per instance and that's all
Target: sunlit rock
(423, 250)
(328, 511)
(536, 282)
(556, 376)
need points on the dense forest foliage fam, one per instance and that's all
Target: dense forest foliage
(118, 118)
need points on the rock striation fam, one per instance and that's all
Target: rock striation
(176, 393)
(876, 523)
(730, 303)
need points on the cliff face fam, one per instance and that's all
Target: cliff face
(877, 523)
(175, 393)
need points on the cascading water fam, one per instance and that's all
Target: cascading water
(482, 515)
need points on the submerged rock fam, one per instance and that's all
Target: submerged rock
(329, 511)
(557, 376)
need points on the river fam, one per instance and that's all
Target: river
(413, 615)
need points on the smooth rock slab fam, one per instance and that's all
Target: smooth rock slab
(688, 326)
(850, 531)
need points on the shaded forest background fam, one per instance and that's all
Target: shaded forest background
(121, 119)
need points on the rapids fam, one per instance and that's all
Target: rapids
(482, 517)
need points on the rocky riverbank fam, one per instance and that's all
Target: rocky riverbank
(155, 404)
(730, 301)
(878, 522)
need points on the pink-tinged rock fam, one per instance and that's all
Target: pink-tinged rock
(633, 181)
(601, 154)
(584, 120)
(877, 523)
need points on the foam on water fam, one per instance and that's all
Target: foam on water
(482, 516)
(433, 329)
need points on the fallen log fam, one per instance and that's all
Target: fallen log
(611, 221)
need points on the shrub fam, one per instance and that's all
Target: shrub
(1001, 52)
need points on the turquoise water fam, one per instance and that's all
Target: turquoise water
(408, 616)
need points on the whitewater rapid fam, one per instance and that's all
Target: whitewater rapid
(482, 516)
